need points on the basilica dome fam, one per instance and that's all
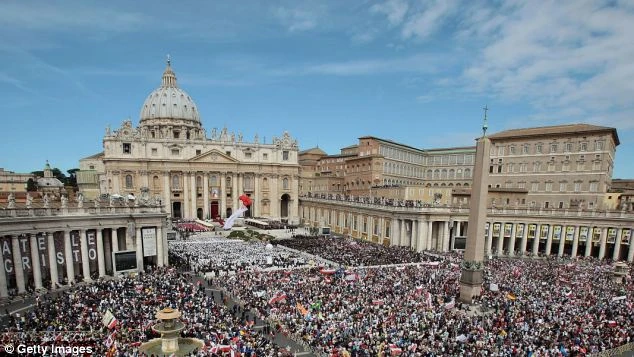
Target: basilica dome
(169, 104)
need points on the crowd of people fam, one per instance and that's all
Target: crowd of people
(351, 252)
(74, 319)
(222, 256)
(364, 306)
(412, 310)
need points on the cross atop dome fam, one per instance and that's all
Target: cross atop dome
(169, 78)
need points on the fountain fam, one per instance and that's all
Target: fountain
(170, 343)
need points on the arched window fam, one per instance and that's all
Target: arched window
(228, 181)
(452, 174)
(214, 180)
(128, 181)
(467, 173)
(285, 184)
(265, 183)
(155, 182)
(176, 182)
(199, 182)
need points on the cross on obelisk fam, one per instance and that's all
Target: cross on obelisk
(473, 263)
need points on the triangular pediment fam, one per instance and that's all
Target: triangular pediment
(214, 156)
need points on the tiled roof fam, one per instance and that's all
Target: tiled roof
(555, 130)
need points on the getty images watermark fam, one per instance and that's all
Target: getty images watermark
(47, 350)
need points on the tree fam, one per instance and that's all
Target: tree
(72, 177)
(31, 185)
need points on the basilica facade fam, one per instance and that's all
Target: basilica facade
(191, 173)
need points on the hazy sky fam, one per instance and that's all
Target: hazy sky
(328, 72)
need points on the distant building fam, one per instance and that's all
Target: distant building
(563, 166)
(50, 184)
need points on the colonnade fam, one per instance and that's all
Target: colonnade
(444, 229)
(197, 192)
(47, 259)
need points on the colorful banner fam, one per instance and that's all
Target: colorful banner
(519, 230)
(42, 251)
(612, 235)
(486, 229)
(570, 233)
(508, 227)
(532, 230)
(583, 234)
(544, 232)
(60, 257)
(556, 232)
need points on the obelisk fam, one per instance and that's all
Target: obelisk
(473, 264)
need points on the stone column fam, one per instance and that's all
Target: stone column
(223, 195)
(617, 245)
(17, 263)
(445, 239)
(630, 252)
(35, 262)
(275, 199)
(167, 189)
(549, 240)
(524, 238)
(512, 242)
(602, 242)
(562, 241)
(257, 196)
(403, 232)
(83, 236)
(394, 239)
(52, 261)
(538, 237)
(206, 213)
(234, 193)
(101, 263)
(589, 241)
(139, 249)
(422, 235)
(414, 235)
(575, 243)
(4, 290)
(68, 256)
(159, 246)
(114, 238)
(489, 239)
(500, 247)
(194, 196)
(430, 229)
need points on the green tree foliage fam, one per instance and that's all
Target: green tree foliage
(31, 185)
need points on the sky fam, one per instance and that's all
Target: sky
(417, 72)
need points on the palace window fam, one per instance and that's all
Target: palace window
(175, 152)
(154, 152)
(285, 155)
(285, 184)
(176, 184)
(128, 182)
(265, 156)
(127, 148)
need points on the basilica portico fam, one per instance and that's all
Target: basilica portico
(50, 245)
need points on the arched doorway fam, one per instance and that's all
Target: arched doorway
(199, 213)
(176, 210)
(215, 210)
(284, 205)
